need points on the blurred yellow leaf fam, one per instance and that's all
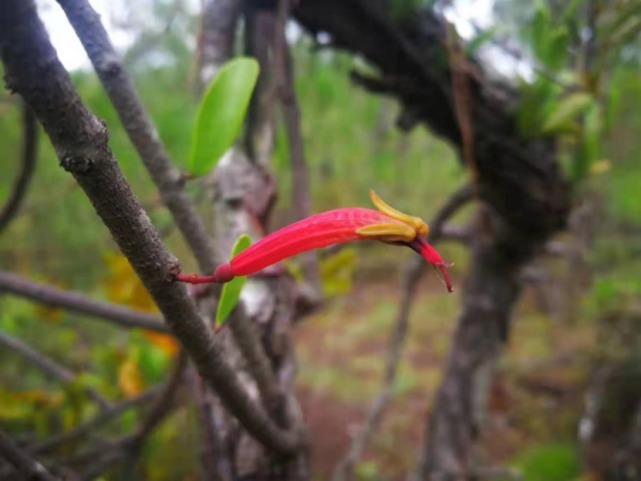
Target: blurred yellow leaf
(600, 167)
(130, 380)
(20, 404)
(164, 342)
(336, 272)
(47, 313)
(123, 285)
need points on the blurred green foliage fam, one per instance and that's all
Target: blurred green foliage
(351, 145)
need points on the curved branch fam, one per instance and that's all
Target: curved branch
(28, 158)
(47, 365)
(81, 143)
(413, 273)
(90, 426)
(74, 302)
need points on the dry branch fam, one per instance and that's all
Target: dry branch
(92, 425)
(413, 273)
(80, 141)
(27, 166)
(47, 365)
(74, 302)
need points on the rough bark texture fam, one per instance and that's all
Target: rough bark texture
(80, 141)
(526, 199)
(243, 194)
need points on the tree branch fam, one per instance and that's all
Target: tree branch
(141, 131)
(27, 166)
(413, 273)
(300, 201)
(90, 426)
(80, 140)
(30, 469)
(143, 136)
(74, 302)
(48, 365)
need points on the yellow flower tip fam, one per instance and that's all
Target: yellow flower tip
(420, 227)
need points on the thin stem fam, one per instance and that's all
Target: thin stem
(413, 274)
(27, 166)
(47, 365)
(92, 425)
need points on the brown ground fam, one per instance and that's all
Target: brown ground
(341, 354)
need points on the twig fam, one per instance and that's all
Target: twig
(48, 365)
(27, 166)
(413, 273)
(258, 363)
(161, 406)
(72, 301)
(214, 460)
(90, 426)
(141, 131)
(29, 468)
(80, 140)
(300, 202)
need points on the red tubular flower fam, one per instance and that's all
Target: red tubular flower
(332, 227)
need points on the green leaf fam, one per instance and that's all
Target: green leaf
(557, 48)
(540, 29)
(562, 118)
(231, 290)
(221, 112)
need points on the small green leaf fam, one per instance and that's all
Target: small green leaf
(231, 290)
(221, 112)
(540, 29)
(562, 118)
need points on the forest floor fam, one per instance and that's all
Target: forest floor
(536, 399)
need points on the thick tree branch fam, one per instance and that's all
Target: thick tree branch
(47, 365)
(28, 468)
(142, 133)
(80, 140)
(28, 157)
(74, 302)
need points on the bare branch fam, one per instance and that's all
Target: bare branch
(90, 426)
(413, 273)
(258, 363)
(27, 166)
(47, 365)
(141, 131)
(74, 302)
(300, 202)
(80, 140)
(214, 458)
(29, 468)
